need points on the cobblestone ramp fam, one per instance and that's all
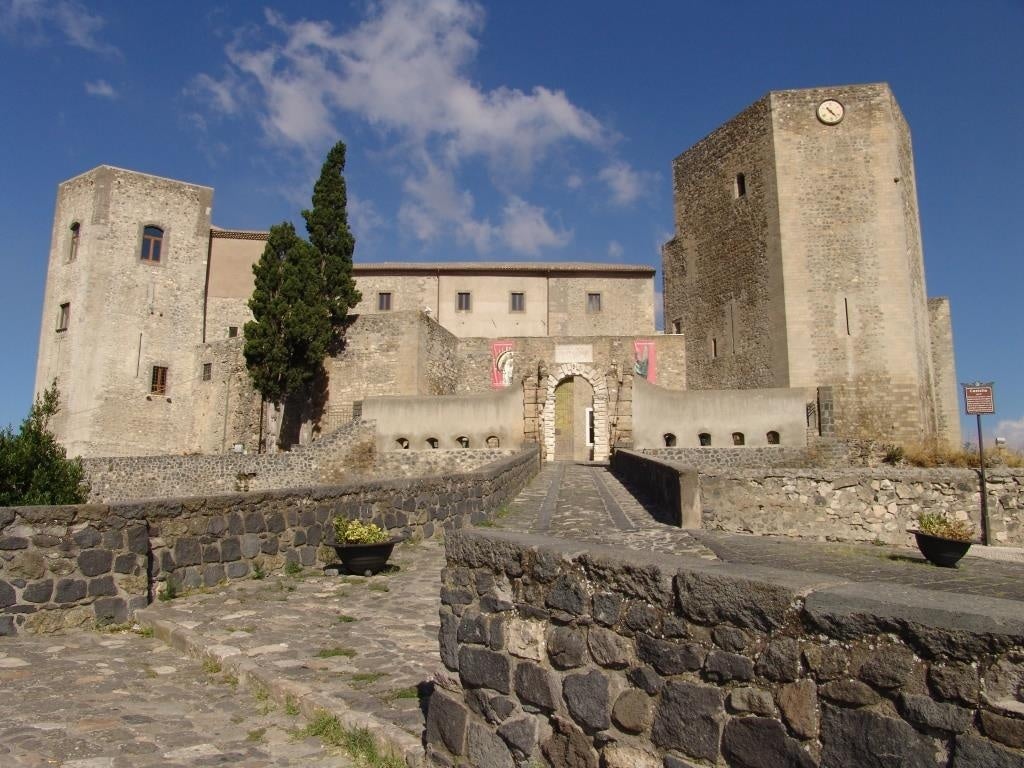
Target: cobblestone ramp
(363, 649)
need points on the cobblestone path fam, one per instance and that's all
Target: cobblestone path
(91, 700)
(588, 503)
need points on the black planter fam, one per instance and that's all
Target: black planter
(365, 558)
(945, 553)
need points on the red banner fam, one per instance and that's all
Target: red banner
(645, 360)
(502, 363)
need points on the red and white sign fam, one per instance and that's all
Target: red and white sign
(502, 363)
(979, 399)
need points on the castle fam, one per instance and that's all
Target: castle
(794, 294)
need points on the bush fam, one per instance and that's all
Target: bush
(34, 468)
(937, 524)
(354, 532)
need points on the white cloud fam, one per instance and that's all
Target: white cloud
(615, 249)
(1013, 431)
(575, 181)
(625, 183)
(101, 88)
(363, 215)
(32, 19)
(404, 69)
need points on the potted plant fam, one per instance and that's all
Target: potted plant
(363, 547)
(942, 540)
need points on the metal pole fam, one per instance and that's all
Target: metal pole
(984, 492)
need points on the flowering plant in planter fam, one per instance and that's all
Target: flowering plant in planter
(943, 540)
(354, 532)
(363, 547)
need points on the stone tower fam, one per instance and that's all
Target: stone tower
(123, 310)
(797, 262)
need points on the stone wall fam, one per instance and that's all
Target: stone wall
(634, 660)
(346, 453)
(436, 462)
(68, 566)
(720, 458)
(671, 491)
(858, 504)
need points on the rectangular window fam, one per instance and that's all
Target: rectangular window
(64, 317)
(517, 302)
(384, 301)
(593, 302)
(207, 371)
(232, 331)
(463, 303)
(740, 189)
(152, 244)
(158, 384)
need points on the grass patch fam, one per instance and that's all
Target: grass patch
(486, 523)
(211, 666)
(169, 592)
(358, 742)
(230, 680)
(327, 653)
(258, 572)
(291, 707)
(402, 693)
(378, 587)
(363, 679)
(259, 692)
(292, 568)
(256, 734)
(353, 580)
(143, 631)
(345, 619)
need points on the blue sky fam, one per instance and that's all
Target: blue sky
(531, 130)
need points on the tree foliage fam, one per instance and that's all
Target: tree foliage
(34, 468)
(303, 292)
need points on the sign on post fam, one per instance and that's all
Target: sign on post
(979, 399)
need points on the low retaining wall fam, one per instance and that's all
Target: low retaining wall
(736, 457)
(346, 452)
(412, 463)
(858, 504)
(67, 566)
(673, 490)
(633, 660)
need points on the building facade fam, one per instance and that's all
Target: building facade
(797, 262)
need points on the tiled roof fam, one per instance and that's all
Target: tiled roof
(501, 266)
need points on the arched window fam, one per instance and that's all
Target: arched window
(738, 439)
(773, 438)
(152, 244)
(493, 442)
(432, 442)
(76, 230)
(463, 441)
(670, 440)
(403, 443)
(704, 438)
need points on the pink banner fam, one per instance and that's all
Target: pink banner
(502, 363)
(645, 360)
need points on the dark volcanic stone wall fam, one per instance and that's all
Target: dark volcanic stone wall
(72, 565)
(562, 657)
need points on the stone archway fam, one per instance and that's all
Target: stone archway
(547, 417)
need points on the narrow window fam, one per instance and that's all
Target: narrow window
(158, 384)
(64, 317)
(76, 230)
(432, 442)
(384, 301)
(714, 348)
(463, 441)
(670, 440)
(207, 371)
(462, 302)
(704, 438)
(738, 439)
(152, 243)
(773, 438)
(677, 326)
(517, 302)
(740, 189)
(403, 443)
(846, 309)
(493, 442)
(593, 302)
(589, 421)
(232, 331)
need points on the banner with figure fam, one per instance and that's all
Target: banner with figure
(502, 363)
(645, 360)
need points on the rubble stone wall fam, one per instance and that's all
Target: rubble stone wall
(558, 657)
(72, 565)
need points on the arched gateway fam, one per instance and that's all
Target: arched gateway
(574, 421)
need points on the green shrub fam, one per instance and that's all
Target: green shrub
(937, 524)
(355, 532)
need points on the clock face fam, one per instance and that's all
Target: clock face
(830, 112)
